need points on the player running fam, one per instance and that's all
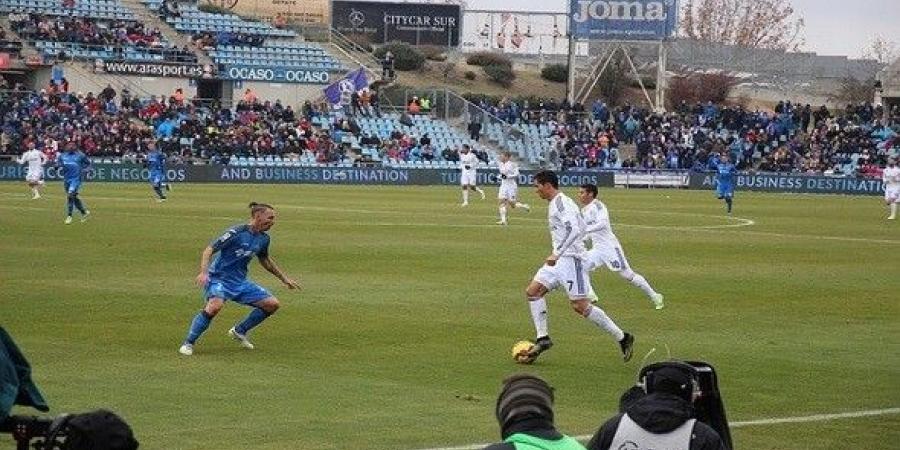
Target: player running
(226, 278)
(605, 247)
(565, 267)
(725, 173)
(468, 163)
(73, 164)
(891, 179)
(34, 177)
(509, 175)
(156, 162)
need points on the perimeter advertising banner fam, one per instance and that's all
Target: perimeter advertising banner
(298, 11)
(521, 33)
(300, 175)
(412, 23)
(811, 184)
(626, 20)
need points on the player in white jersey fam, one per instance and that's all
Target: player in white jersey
(35, 175)
(891, 179)
(509, 174)
(605, 247)
(468, 163)
(565, 267)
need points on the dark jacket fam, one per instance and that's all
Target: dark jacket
(535, 427)
(659, 413)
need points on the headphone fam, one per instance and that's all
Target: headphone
(57, 428)
(647, 376)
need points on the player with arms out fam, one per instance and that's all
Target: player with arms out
(565, 267)
(725, 173)
(891, 179)
(73, 164)
(35, 175)
(509, 175)
(468, 163)
(156, 163)
(605, 247)
(226, 278)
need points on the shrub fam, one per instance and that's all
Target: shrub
(433, 52)
(500, 74)
(213, 9)
(362, 40)
(485, 59)
(556, 72)
(405, 56)
(700, 87)
(469, 75)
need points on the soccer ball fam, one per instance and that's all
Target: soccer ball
(520, 352)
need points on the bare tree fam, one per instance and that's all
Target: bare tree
(767, 24)
(881, 50)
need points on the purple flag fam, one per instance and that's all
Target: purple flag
(339, 92)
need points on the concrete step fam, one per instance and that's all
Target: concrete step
(27, 50)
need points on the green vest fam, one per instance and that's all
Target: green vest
(527, 442)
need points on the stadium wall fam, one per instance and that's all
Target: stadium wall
(800, 184)
(84, 82)
(301, 175)
(289, 93)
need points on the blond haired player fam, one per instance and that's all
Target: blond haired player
(605, 247)
(509, 174)
(35, 175)
(891, 179)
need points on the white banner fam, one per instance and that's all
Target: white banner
(515, 32)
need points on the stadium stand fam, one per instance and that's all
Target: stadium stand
(9, 46)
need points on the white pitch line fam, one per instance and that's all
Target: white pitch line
(739, 424)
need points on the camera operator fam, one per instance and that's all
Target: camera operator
(525, 413)
(663, 418)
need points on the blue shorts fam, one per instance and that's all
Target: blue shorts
(72, 186)
(724, 191)
(156, 178)
(245, 292)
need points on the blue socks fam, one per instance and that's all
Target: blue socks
(198, 326)
(253, 319)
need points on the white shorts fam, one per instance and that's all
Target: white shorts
(34, 177)
(570, 273)
(892, 195)
(612, 257)
(507, 191)
(467, 177)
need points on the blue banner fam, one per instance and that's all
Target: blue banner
(775, 182)
(625, 20)
(274, 74)
(302, 175)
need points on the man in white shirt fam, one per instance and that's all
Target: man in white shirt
(468, 163)
(509, 174)
(891, 178)
(605, 247)
(565, 267)
(35, 175)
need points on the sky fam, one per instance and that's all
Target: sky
(833, 27)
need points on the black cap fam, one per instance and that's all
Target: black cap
(672, 380)
(524, 396)
(99, 430)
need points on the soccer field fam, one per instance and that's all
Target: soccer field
(410, 304)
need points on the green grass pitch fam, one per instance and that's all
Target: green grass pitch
(410, 304)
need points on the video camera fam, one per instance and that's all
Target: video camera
(46, 431)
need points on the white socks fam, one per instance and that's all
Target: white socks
(641, 283)
(893, 210)
(477, 189)
(503, 213)
(35, 193)
(539, 315)
(603, 321)
(465, 196)
(522, 205)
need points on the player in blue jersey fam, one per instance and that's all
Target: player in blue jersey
(73, 164)
(725, 173)
(156, 162)
(226, 278)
